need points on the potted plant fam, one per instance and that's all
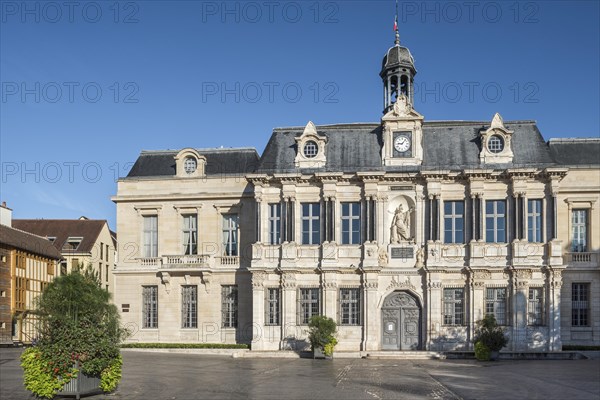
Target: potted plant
(321, 335)
(489, 339)
(79, 335)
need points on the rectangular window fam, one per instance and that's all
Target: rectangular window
(230, 234)
(534, 221)
(351, 223)
(150, 306)
(189, 306)
(350, 306)
(107, 273)
(151, 236)
(308, 304)
(229, 305)
(275, 223)
(63, 268)
(106, 254)
(75, 264)
(190, 234)
(580, 306)
(579, 224)
(272, 308)
(50, 268)
(495, 304)
(101, 250)
(311, 223)
(535, 306)
(495, 221)
(454, 221)
(454, 309)
(72, 243)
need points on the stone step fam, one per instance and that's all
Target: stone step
(522, 355)
(405, 355)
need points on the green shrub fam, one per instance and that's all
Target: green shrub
(183, 346)
(490, 334)
(40, 376)
(482, 353)
(321, 333)
(78, 326)
(111, 376)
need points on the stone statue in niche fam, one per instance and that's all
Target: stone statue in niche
(420, 257)
(400, 229)
(383, 257)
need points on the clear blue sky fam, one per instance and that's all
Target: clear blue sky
(87, 86)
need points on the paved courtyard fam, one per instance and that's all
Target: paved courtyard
(191, 376)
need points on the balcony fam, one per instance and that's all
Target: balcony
(189, 261)
(185, 261)
(588, 259)
(228, 260)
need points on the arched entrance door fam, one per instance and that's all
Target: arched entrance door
(401, 318)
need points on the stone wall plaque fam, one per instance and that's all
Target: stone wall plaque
(404, 253)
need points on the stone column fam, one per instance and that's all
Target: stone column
(438, 202)
(434, 312)
(372, 320)
(289, 329)
(553, 317)
(329, 291)
(259, 205)
(258, 310)
(481, 218)
(555, 215)
(473, 217)
(524, 216)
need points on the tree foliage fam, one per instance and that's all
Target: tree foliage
(321, 333)
(489, 334)
(79, 329)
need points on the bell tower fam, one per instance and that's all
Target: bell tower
(397, 72)
(402, 125)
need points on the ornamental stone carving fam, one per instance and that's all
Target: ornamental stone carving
(383, 257)
(258, 279)
(397, 284)
(371, 285)
(399, 300)
(288, 281)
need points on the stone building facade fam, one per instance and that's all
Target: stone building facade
(404, 231)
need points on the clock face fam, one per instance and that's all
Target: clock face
(402, 144)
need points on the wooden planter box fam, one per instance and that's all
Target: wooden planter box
(83, 385)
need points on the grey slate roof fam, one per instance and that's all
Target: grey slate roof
(446, 145)
(218, 162)
(571, 152)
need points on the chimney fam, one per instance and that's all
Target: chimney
(5, 215)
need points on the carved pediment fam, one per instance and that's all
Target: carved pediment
(402, 109)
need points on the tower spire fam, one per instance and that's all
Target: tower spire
(397, 41)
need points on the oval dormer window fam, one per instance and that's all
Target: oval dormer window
(496, 144)
(189, 165)
(310, 149)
